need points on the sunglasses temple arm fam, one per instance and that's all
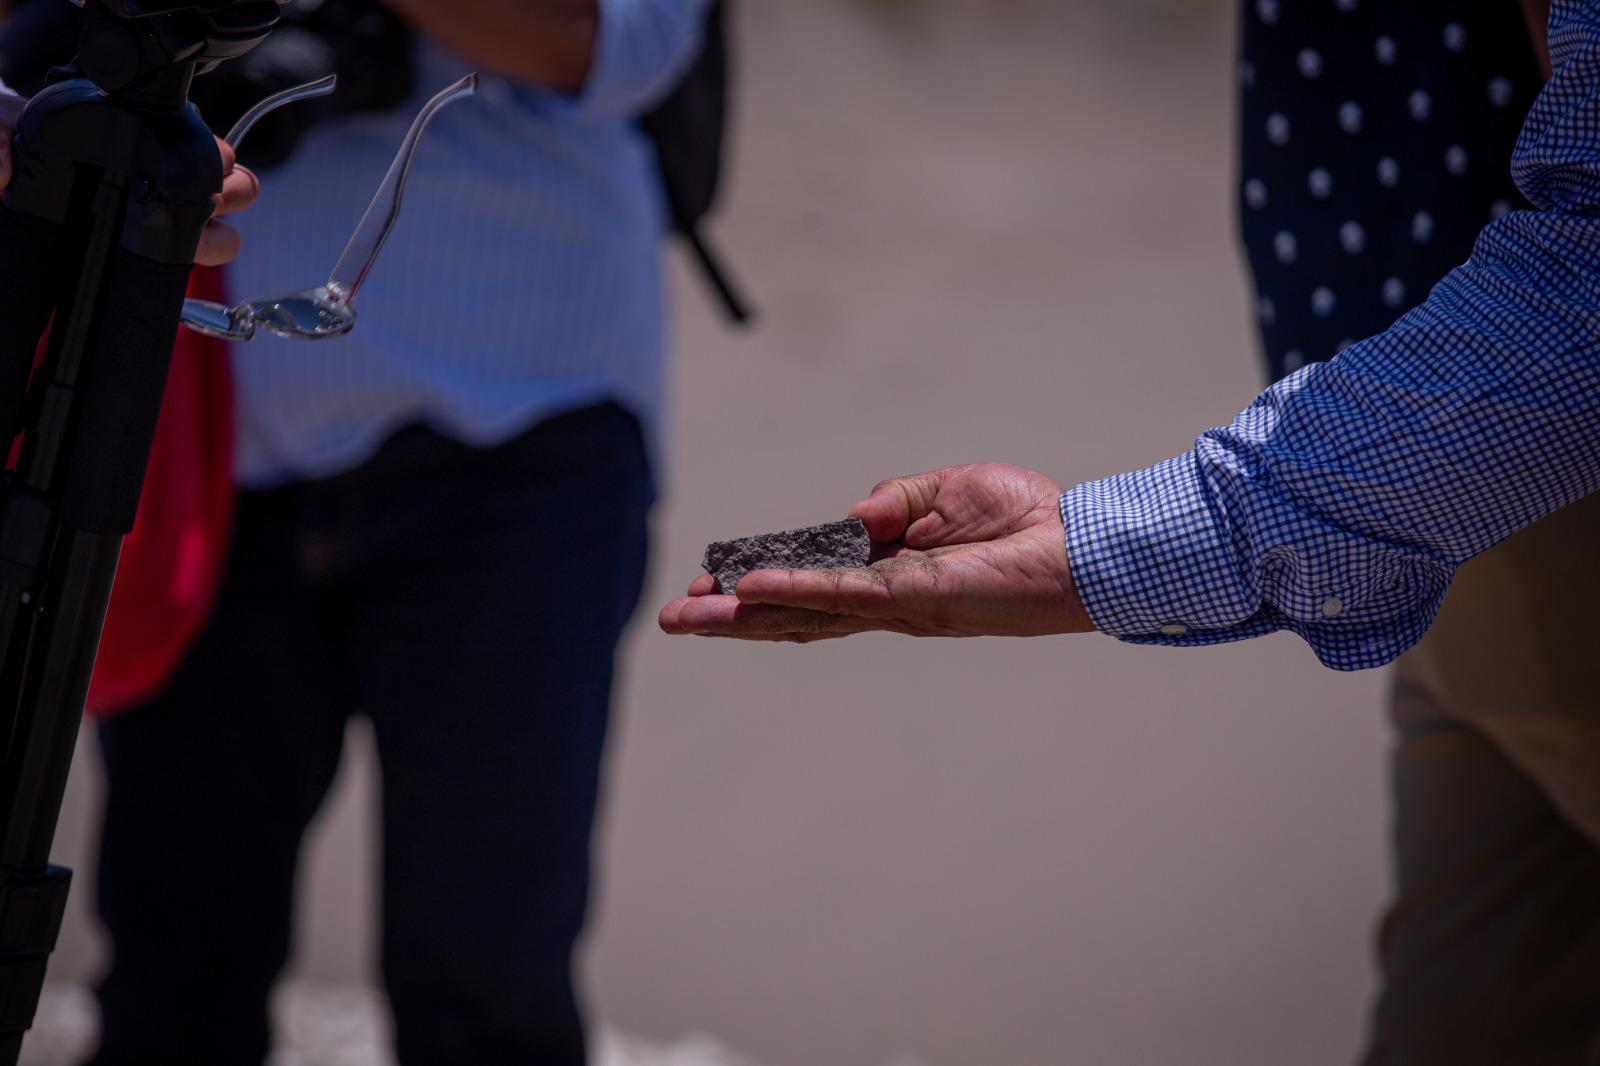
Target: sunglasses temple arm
(362, 251)
(322, 87)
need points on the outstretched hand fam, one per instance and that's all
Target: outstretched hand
(219, 243)
(966, 551)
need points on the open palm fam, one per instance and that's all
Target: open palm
(965, 551)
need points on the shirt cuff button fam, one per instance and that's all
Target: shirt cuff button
(1174, 630)
(1332, 607)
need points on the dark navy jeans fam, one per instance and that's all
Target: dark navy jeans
(469, 602)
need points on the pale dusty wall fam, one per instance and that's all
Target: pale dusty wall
(999, 231)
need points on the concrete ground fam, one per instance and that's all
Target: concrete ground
(977, 230)
(323, 1025)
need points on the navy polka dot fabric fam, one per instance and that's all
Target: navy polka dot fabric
(1375, 143)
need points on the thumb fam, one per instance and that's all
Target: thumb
(894, 505)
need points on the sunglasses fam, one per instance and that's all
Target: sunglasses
(327, 310)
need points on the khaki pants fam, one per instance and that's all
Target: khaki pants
(1491, 949)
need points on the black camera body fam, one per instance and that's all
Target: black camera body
(359, 40)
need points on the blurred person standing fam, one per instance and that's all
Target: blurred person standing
(441, 526)
(1375, 145)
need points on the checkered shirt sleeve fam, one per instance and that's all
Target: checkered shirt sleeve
(1340, 503)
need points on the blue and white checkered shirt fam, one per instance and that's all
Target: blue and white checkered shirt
(1340, 503)
(524, 278)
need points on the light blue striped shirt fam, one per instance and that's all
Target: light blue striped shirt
(523, 280)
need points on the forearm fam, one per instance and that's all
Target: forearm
(1339, 505)
(615, 57)
(550, 43)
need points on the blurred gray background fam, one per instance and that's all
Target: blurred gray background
(979, 230)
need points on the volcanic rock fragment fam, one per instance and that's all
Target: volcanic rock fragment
(826, 547)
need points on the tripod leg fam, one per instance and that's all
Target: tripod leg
(114, 175)
(86, 426)
(25, 282)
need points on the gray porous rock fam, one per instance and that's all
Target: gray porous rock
(826, 547)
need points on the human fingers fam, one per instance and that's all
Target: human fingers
(704, 585)
(895, 504)
(774, 638)
(725, 616)
(683, 614)
(240, 187)
(888, 589)
(219, 244)
(984, 502)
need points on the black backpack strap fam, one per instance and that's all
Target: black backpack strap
(687, 131)
(733, 304)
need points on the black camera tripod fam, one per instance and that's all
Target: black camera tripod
(114, 174)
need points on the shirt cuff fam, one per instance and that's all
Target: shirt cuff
(1157, 558)
(1148, 555)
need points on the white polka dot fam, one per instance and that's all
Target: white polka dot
(1350, 116)
(1255, 193)
(1388, 172)
(1320, 183)
(1386, 50)
(1322, 301)
(1343, 344)
(1247, 75)
(1267, 310)
(1455, 36)
(1352, 237)
(1345, 5)
(1278, 128)
(1310, 62)
(1501, 92)
(1420, 105)
(1394, 292)
(1500, 209)
(1285, 246)
(1293, 360)
(1267, 11)
(1455, 160)
(1422, 227)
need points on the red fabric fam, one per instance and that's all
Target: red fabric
(172, 562)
